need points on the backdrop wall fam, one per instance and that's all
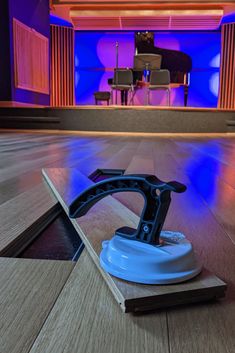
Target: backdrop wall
(95, 58)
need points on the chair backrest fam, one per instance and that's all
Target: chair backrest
(147, 62)
(123, 77)
(159, 77)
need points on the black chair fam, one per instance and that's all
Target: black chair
(159, 79)
(123, 81)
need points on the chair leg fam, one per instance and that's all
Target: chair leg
(169, 97)
(148, 93)
(111, 96)
(133, 95)
(125, 93)
(131, 92)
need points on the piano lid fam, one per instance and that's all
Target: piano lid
(172, 60)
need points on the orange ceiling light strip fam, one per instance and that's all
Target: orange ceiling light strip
(163, 23)
(147, 20)
(145, 13)
(141, 6)
(130, 2)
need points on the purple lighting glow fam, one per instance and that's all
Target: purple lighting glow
(95, 59)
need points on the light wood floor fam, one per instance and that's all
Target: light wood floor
(78, 313)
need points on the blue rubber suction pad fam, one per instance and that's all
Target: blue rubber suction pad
(171, 262)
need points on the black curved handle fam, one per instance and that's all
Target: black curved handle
(156, 194)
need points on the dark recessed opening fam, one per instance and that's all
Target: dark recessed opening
(101, 174)
(59, 241)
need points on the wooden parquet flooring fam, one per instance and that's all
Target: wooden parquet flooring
(81, 314)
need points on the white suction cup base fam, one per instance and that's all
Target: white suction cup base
(171, 262)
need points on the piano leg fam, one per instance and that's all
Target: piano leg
(185, 95)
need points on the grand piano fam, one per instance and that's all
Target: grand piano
(178, 63)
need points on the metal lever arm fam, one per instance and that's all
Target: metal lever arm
(157, 198)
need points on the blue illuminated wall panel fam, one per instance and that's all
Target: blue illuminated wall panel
(95, 58)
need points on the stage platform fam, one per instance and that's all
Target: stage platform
(146, 119)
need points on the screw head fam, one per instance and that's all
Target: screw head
(145, 228)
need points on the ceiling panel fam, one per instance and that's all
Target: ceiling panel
(195, 22)
(145, 23)
(87, 2)
(163, 20)
(94, 23)
(144, 15)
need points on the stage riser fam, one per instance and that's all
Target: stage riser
(231, 125)
(117, 120)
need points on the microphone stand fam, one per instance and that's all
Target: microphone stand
(116, 70)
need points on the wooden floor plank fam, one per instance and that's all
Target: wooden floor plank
(95, 161)
(203, 328)
(200, 162)
(19, 177)
(29, 289)
(212, 149)
(13, 187)
(23, 217)
(122, 159)
(100, 224)
(141, 162)
(214, 326)
(210, 185)
(22, 166)
(86, 318)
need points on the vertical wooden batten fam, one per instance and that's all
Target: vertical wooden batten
(227, 67)
(62, 66)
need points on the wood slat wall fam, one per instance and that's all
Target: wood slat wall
(31, 59)
(227, 68)
(62, 66)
